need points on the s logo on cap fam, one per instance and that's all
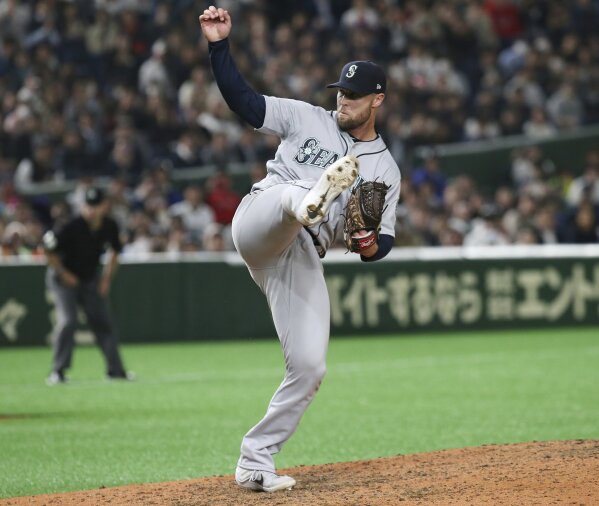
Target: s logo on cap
(352, 71)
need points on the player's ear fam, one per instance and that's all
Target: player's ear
(378, 99)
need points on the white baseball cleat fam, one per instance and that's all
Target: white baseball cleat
(336, 178)
(263, 481)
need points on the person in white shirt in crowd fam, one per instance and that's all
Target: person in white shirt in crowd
(360, 15)
(538, 126)
(195, 213)
(587, 183)
(153, 75)
(487, 230)
(565, 108)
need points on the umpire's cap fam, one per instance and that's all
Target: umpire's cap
(94, 196)
(362, 77)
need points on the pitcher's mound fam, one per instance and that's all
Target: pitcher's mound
(560, 472)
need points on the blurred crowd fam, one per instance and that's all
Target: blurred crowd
(122, 89)
(541, 205)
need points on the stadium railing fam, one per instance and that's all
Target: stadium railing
(487, 162)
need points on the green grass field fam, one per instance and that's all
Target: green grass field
(185, 415)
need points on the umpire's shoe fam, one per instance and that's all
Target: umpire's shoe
(121, 376)
(56, 378)
(262, 481)
(336, 178)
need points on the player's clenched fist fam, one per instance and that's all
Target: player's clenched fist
(215, 23)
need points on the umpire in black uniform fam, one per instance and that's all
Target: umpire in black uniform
(75, 280)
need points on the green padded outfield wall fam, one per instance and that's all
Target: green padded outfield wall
(185, 301)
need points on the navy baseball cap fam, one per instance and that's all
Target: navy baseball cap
(362, 77)
(94, 196)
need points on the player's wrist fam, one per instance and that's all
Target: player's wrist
(364, 242)
(218, 42)
(370, 251)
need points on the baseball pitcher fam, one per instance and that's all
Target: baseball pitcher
(331, 171)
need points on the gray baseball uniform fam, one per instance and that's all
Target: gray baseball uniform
(283, 260)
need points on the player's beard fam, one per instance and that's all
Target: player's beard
(346, 123)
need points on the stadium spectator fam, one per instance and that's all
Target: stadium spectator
(177, 235)
(100, 41)
(72, 159)
(506, 17)
(153, 74)
(141, 240)
(213, 238)
(219, 152)
(186, 150)
(122, 63)
(194, 212)
(537, 127)
(483, 124)
(521, 216)
(191, 94)
(19, 239)
(39, 168)
(449, 236)
(430, 172)
(126, 159)
(587, 184)
(359, 16)
(417, 228)
(546, 224)
(565, 108)
(527, 235)
(529, 165)
(121, 201)
(582, 227)
(221, 198)
(14, 18)
(487, 230)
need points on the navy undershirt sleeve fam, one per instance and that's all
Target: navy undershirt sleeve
(240, 98)
(385, 243)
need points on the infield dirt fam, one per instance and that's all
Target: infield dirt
(538, 473)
